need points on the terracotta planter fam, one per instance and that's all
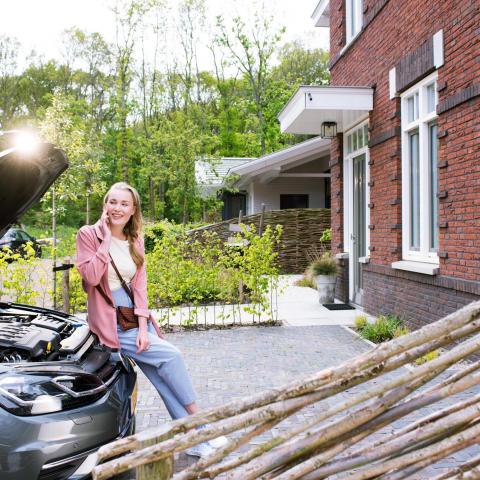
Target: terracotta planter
(326, 288)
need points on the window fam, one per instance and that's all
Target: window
(357, 139)
(419, 172)
(293, 201)
(354, 16)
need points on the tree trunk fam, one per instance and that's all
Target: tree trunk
(151, 184)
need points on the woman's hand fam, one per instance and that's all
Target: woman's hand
(143, 342)
(160, 332)
(105, 221)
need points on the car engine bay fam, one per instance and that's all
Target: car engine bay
(31, 337)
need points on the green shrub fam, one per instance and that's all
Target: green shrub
(382, 329)
(21, 278)
(186, 271)
(326, 235)
(306, 281)
(78, 298)
(156, 231)
(325, 265)
(66, 239)
(401, 330)
(360, 321)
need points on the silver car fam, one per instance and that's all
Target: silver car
(62, 394)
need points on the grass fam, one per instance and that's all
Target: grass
(306, 281)
(387, 327)
(384, 328)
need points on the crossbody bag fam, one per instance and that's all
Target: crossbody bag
(126, 317)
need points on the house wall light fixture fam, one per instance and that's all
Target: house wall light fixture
(329, 130)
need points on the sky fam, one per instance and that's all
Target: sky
(38, 24)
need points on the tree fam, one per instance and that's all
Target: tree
(252, 52)
(301, 66)
(297, 66)
(9, 80)
(129, 15)
(178, 142)
(63, 126)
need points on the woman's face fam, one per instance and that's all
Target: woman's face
(120, 207)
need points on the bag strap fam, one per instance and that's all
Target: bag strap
(104, 295)
(122, 281)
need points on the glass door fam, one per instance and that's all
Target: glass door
(358, 237)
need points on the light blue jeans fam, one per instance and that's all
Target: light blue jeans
(162, 364)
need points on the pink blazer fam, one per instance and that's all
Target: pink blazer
(92, 263)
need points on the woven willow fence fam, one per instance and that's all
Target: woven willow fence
(334, 443)
(302, 229)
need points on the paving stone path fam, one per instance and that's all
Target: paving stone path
(230, 364)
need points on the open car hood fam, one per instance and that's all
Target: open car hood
(25, 177)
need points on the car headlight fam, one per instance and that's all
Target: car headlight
(37, 393)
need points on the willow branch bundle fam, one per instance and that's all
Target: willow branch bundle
(430, 396)
(448, 329)
(473, 462)
(395, 445)
(294, 450)
(313, 447)
(164, 449)
(389, 365)
(473, 474)
(198, 469)
(445, 447)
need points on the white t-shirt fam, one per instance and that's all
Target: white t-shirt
(123, 260)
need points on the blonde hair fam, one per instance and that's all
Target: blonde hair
(133, 228)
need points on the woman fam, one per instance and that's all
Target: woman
(112, 250)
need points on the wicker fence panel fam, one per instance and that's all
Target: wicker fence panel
(302, 229)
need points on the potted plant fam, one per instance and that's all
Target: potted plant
(324, 270)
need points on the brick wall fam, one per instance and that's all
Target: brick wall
(393, 30)
(418, 299)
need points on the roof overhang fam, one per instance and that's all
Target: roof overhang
(321, 14)
(274, 163)
(310, 106)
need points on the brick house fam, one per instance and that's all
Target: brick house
(405, 159)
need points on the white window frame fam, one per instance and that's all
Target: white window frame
(420, 124)
(354, 17)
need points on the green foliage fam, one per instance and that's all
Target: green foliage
(384, 328)
(156, 231)
(186, 271)
(326, 235)
(121, 114)
(427, 357)
(387, 327)
(360, 321)
(78, 297)
(21, 278)
(66, 239)
(325, 265)
(306, 281)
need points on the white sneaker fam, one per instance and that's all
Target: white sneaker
(218, 442)
(201, 450)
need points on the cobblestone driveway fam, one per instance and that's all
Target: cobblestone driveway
(230, 364)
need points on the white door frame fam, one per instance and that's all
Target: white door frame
(348, 201)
